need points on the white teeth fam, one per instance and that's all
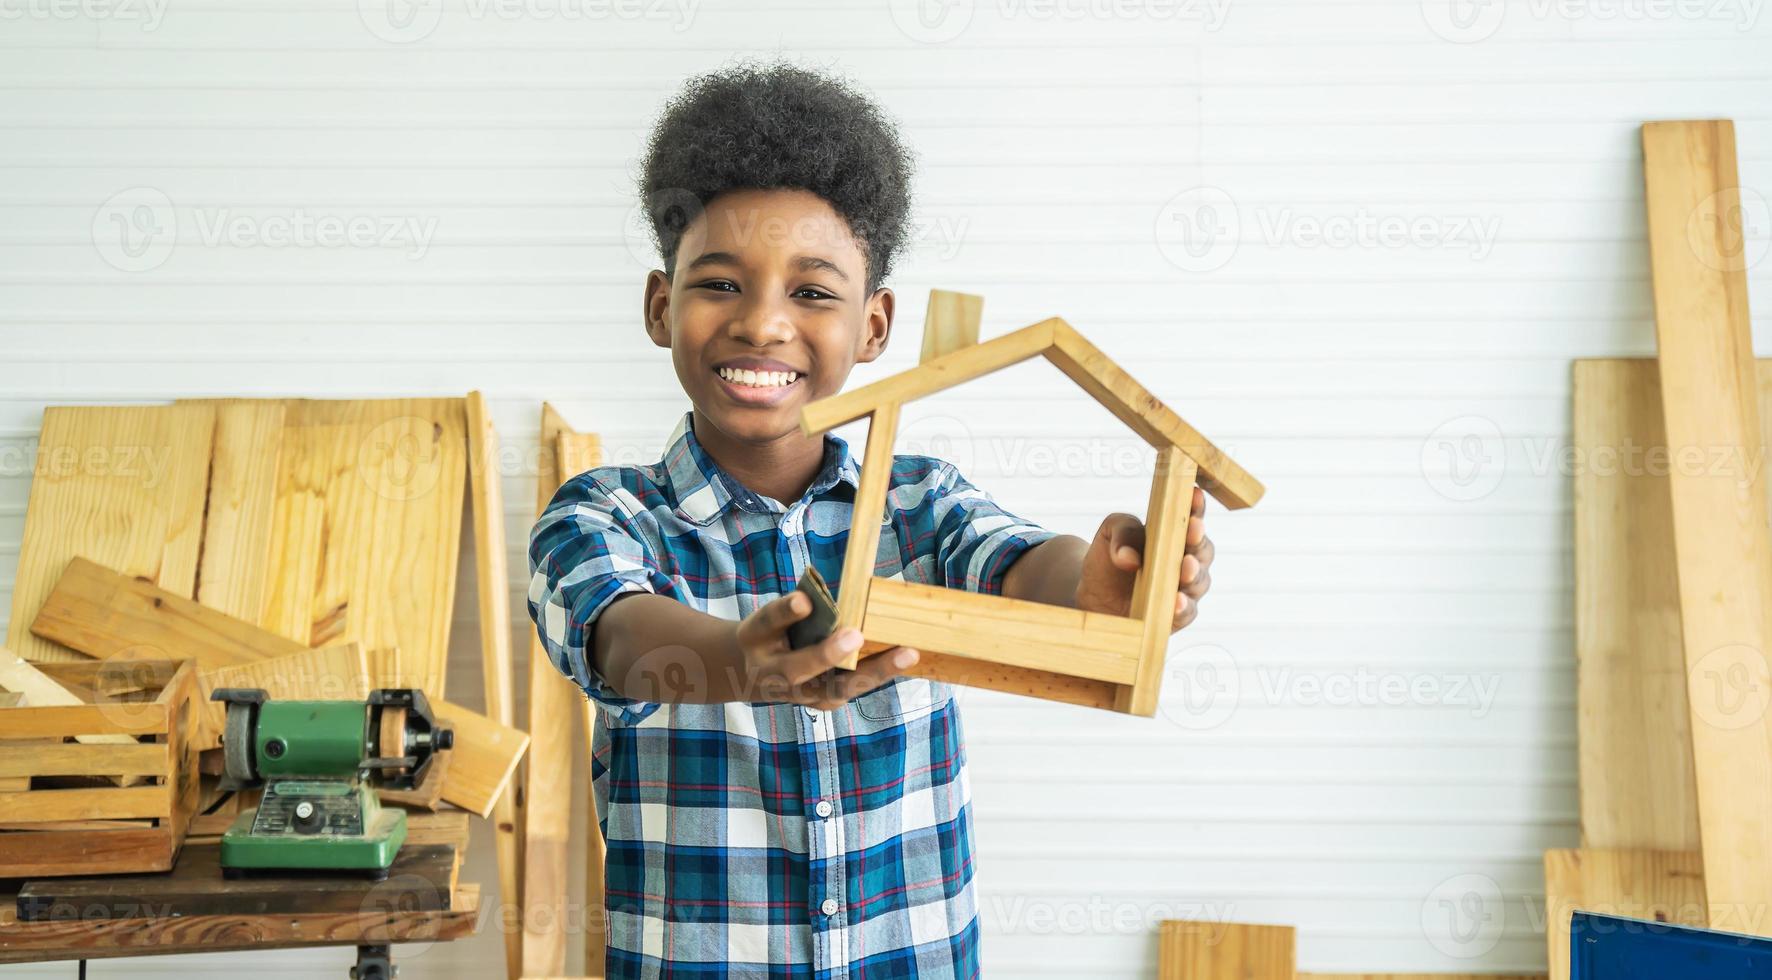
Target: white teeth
(759, 379)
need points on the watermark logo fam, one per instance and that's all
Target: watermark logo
(147, 13)
(1731, 230)
(135, 230)
(1465, 458)
(1201, 687)
(400, 21)
(1728, 687)
(1198, 229)
(931, 21)
(1464, 21)
(1464, 916)
(402, 458)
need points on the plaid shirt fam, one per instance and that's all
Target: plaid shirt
(768, 839)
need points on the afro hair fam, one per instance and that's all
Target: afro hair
(778, 125)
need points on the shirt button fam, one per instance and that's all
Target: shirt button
(829, 907)
(823, 809)
(812, 713)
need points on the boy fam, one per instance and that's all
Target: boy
(768, 815)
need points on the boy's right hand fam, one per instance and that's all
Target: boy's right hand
(776, 672)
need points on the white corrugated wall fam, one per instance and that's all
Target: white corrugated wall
(1357, 243)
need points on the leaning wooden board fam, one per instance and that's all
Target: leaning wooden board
(547, 797)
(120, 485)
(1722, 544)
(1635, 743)
(422, 878)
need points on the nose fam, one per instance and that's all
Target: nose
(761, 320)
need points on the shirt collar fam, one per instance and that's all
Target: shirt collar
(704, 490)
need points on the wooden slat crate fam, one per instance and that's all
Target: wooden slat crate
(98, 807)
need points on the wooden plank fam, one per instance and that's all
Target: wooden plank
(486, 756)
(577, 452)
(1722, 545)
(242, 494)
(25, 942)
(1158, 581)
(547, 796)
(121, 486)
(44, 693)
(1139, 409)
(43, 805)
(92, 719)
(493, 578)
(32, 854)
(951, 323)
(1224, 951)
(1043, 684)
(1661, 886)
(336, 673)
(1635, 746)
(418, 880)
(105, 614)
(1001, 630)
(55, 758)
(928, 378)
(386, 480)
(861, 553)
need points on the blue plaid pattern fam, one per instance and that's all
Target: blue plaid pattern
(767, 839)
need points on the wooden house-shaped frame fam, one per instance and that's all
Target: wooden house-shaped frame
(1046, 651)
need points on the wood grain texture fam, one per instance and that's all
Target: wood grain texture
(1158, 581)
(418, 880)
(1722, 545)
(547, 797)
(1224, 951)
(951, 323)
(1046, 685)
(486, 756)
(335, 673)
(1660, 886)
(492, 579)
(28, 942)
(1001, 630)
(43, 691)
(242, 494)
(861, 551)
(1635, 745)
(576, 452)
(368, 527)
(103, 613)
(121, 486)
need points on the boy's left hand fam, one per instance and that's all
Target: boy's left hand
(1117, 551)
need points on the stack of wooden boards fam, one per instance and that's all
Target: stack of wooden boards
(307, 547)
(1674, 580)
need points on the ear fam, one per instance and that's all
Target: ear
(655, 308)
(876, 325)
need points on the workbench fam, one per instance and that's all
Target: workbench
(353, 911)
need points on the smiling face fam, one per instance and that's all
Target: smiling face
(768, 309)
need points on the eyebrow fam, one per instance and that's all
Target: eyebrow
(802, 262)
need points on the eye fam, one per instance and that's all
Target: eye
(717, 285)
(812, 292)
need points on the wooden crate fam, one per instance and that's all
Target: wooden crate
(100, 807)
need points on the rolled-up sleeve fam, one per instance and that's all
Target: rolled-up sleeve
(584, 552)
(976, 538)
